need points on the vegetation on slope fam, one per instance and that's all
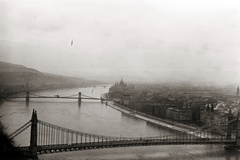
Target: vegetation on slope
(7, 148)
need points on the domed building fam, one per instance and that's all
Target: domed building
(118, 90)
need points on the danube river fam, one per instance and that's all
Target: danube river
(94, 117)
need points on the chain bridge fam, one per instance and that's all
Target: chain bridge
(78, 97)
(49, 138)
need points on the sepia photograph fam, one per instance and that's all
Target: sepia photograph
(119, 80)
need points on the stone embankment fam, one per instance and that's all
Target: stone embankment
(158, 121)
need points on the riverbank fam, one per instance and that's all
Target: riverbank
(162, 122)
(147, 118)
(158, 121)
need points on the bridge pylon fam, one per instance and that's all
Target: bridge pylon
(236, 126)
(79, 98)
(33, 138)
(27, 97)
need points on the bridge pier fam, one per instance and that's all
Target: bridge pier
(33, 138)
(27, 97)
(79, 98)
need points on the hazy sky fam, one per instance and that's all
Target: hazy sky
(156, 40)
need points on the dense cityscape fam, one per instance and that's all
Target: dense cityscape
(207, 106)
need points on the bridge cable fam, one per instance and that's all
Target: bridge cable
(74, 131)
(36, 95)
(71, 95)
(20, 130)
(87, 96)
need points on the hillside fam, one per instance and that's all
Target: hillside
(8, 67)
(17, 78)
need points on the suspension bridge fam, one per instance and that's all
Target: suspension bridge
(49, 138)
(78, 97)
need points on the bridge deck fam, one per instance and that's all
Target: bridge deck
(59, 98)
(128, 143)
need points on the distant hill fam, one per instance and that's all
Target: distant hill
(18, 78)
(9, 67)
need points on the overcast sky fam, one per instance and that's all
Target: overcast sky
(155, 40)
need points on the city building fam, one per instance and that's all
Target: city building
(214, 120)
(119, 89)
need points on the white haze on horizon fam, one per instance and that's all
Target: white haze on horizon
(149, 40)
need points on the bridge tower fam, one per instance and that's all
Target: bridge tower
(33, 138)
(27, 97)
(238, 131)
(229, 126)
(79, 98)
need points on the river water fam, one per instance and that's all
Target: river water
(94, 117)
